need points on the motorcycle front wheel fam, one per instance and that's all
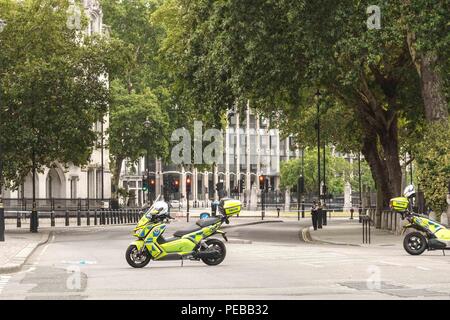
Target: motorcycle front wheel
(219, 246)
(137, 259)
(415, 243)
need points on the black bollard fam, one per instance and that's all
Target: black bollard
(19, 222)
(67, 218)
(108, 216)
(78, 217)
(52, 218)
(95, 217)
(278, 210)
(88, 217)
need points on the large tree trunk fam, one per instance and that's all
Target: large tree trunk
(380, 149)
(432, 87)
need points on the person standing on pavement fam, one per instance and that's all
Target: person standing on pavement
(319, 215)
(314, 214)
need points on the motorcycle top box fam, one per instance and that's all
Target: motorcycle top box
(230, 206)
(399, 204)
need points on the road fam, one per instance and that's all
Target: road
(90, 264)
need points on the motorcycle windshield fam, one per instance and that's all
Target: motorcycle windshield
(148, 213)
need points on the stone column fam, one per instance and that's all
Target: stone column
(347, 196)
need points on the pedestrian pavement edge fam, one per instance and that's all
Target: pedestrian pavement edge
(18, 261)
(305, 235)
(250, 223)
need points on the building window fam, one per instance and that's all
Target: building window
(73, 187)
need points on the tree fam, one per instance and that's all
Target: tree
(426, 27)
(277, 54)
(433, 159)
(52, 88)
(129, 138)
(138, 87)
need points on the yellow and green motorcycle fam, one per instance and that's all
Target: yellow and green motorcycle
(194, 242)
(428, 234)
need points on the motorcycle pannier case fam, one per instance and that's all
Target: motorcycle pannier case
(399, 204)
(231, 207)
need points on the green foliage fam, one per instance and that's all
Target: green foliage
(433, 160)
(338, 171)
(52, 88)
(129, 138)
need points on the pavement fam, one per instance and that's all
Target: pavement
(343, 231)
(17, 247)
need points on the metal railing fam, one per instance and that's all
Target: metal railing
(82, 217)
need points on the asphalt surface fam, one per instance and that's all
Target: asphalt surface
(90, 264)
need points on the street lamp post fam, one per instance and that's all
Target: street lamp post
(2, 210)
(303, 176)
(360, 186)
(34, 220)
(103, 163)
(319, 182)
(325, 190)
(147, 124)
(317, 97)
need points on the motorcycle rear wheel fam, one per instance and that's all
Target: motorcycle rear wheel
(415, 243)
(136, 259)
(220, 247)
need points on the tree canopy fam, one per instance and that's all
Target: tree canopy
(277, 54)
(52, 88)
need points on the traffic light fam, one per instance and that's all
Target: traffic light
(144, 184)
(151, 185)
(188, 184)
(175, 185)
(262, 182)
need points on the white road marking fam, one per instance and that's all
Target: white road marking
(3, 282)
(423, 268)
(391, 263)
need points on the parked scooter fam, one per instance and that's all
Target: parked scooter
(428, 234)
(192, 243)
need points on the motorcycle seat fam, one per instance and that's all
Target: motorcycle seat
(190, 229)
(207, 222)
